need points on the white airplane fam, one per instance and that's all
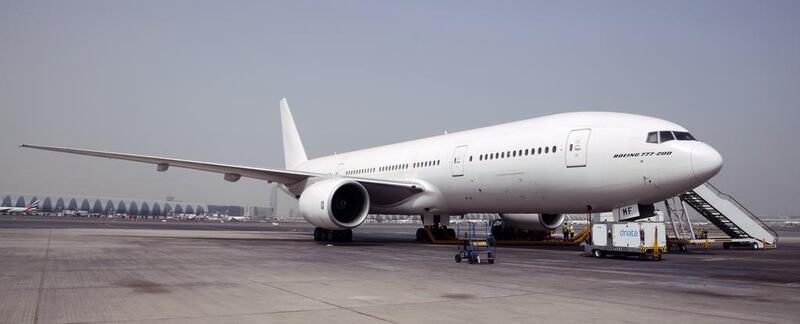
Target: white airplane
(20, 210)
(531, 172)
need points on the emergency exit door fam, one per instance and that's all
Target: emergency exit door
(458, 161)
(577, 147)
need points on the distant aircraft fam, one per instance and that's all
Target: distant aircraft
(20, 210)
(531, 172)
(237, 219)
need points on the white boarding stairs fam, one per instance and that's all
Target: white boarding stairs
(729, 215)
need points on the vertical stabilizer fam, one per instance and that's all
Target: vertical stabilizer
(293, 151)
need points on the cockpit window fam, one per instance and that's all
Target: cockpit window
(684, 136)
(652, 137)
(666, 136)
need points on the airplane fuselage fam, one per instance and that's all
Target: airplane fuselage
(563, 163)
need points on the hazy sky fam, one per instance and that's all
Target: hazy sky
(202, 80)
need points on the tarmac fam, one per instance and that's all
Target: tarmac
(99, 271)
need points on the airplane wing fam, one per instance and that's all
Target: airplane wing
(234, 172)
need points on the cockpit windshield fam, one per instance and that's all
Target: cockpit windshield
(666, 136)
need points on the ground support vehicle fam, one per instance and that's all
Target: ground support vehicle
(646, 240)
(474, 239)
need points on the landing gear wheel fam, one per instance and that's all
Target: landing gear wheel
(726, 246)
(340, 236)
(598, 253)
(458, 258)
(348, 236)
(421, 237)
(317, 234)
(451, 233)
(682, 247)
(755, 246)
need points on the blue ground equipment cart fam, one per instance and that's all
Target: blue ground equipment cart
(475, 242)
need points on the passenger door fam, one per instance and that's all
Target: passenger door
(458, 161)
(577, 147)
(339, 169)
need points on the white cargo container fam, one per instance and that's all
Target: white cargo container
(647, 240)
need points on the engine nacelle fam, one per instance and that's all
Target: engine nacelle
(527, 226)
(335, 204)
(533, 222)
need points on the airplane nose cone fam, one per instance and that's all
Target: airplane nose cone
(706, 162)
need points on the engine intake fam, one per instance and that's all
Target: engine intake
(335, 204)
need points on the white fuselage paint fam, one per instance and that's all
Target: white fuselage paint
(533, 183)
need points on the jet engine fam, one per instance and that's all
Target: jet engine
(335, 204)
(527, 226)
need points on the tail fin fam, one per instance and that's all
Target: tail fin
(33, 206)
(293, 150)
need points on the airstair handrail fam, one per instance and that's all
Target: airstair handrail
(752, 215)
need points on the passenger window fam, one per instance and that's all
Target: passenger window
(546, 150)
(570, 147)
(526, 152)
(554, 148)
(652, 137)
(666, 136)
(515, 153)
(540, 150)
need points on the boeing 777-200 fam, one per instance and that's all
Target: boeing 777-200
(531, 172)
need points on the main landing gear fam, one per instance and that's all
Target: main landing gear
(438, 232)
(432, 224)
(321, 234)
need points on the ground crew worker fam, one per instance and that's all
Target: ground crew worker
(571, 231)
(565, 231)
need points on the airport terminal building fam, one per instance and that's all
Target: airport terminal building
(106, 206)
(282, 207)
